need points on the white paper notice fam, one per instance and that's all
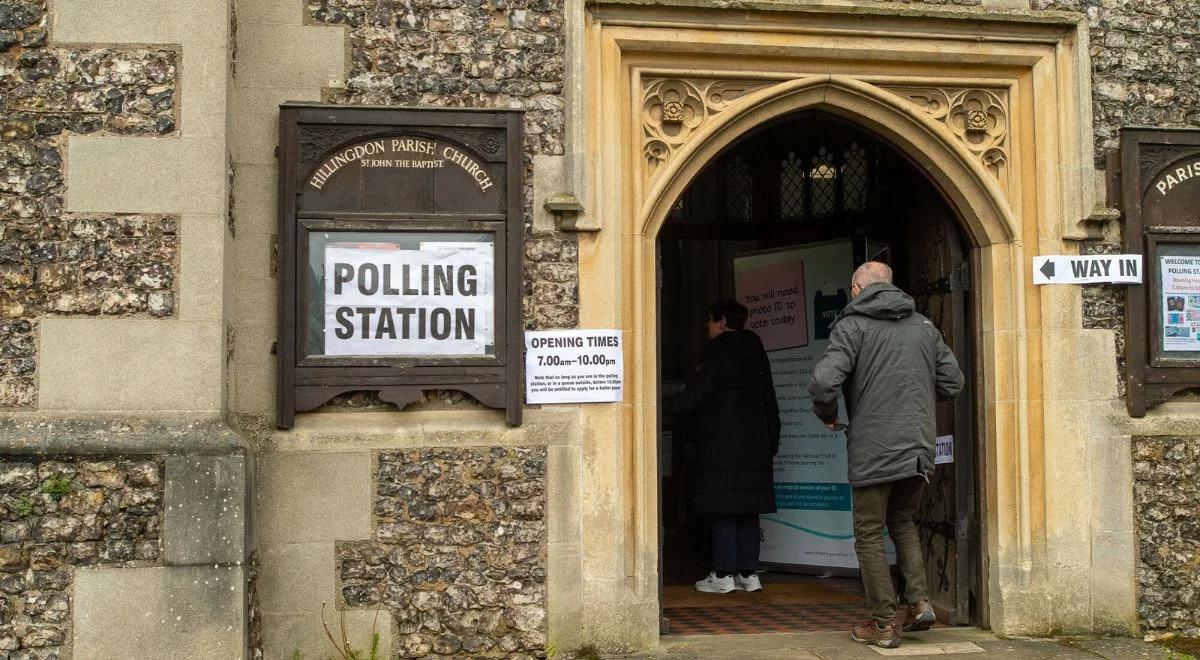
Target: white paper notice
(945, 449)
(574, 366)
(1181, 303)
(408, 302)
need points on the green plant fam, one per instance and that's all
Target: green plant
(551, 650)
(23, 506)
(343, 648)
(56, 488)
(296, 654)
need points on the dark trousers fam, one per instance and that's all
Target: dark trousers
(890, 505)
(734, 543)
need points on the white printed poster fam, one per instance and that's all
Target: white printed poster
(1181, 303)
(813, 525)
(943, 450)
(574, 366)
(383, 300)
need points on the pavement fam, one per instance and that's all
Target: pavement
(965, 643)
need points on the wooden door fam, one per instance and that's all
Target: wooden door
(940, 276)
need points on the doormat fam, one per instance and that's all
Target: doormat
(823, 617)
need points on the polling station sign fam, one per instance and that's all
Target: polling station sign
(382, 300)
(574, 366)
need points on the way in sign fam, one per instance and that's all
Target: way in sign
(1088, 269)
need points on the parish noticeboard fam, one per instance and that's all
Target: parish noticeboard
(399, 262)
(1159, 173)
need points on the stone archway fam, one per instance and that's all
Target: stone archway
(1006, 144)
(961, 177)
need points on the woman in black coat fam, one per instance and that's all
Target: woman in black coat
(732, 402)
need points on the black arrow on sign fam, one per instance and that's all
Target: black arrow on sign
(1048, 269)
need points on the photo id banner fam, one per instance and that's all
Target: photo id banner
(390, 301)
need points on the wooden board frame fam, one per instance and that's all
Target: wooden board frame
(1147, 153)
(307, 134)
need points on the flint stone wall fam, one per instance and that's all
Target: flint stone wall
(61, 512)
(458, 554)
(51, 261)
(1166, 473)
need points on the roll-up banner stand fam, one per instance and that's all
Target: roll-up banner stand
(794, 295)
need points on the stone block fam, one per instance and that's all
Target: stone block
(254, 126)
(290, 56)
(131, 364)
(285, 634)
(255, 186)
(141, 21)
(252, 254)
(549, 178)
(1111, 484)
(157, 175)
(314, 496)
(253, 388)
(270, 12)
(564, 493)
(256, 299)
(201, 266)
(564, 583)
(205, 73)
(195, 612)
(205, 515)
(253, 342)
(296, 578)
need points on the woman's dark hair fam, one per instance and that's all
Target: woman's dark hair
(734, 313)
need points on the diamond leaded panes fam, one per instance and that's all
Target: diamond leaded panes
(854, 178)
(735, 175)
(791, 188)
(823, 179)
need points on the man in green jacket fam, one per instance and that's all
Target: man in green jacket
(891, 365)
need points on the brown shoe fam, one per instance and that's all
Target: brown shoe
(870, 633)
(919, 617)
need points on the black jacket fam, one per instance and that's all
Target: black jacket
(732, 402)
(891, 365)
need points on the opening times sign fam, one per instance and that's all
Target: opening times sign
(574, 366)
(387, 301)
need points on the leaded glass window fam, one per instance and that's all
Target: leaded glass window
(735, 176)
(824, 185)
(791, 188)
(854, 178)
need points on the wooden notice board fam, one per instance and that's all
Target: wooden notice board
(400, 235)
(1159, 194)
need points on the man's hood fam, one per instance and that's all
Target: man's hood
(744, 342)
(881, 301)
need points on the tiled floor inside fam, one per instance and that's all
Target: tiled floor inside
(787, 603)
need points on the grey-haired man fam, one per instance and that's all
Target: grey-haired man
(891, 365)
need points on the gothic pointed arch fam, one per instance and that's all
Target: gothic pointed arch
(973, 191)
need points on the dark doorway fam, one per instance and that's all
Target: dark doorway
(812, 179)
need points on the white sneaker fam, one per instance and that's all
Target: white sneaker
(716, 585)
(751, 583)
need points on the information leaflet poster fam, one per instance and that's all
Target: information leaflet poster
(813, 526)
(1181, 303)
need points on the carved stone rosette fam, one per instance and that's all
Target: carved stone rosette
(674, 108)
(977, 117)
